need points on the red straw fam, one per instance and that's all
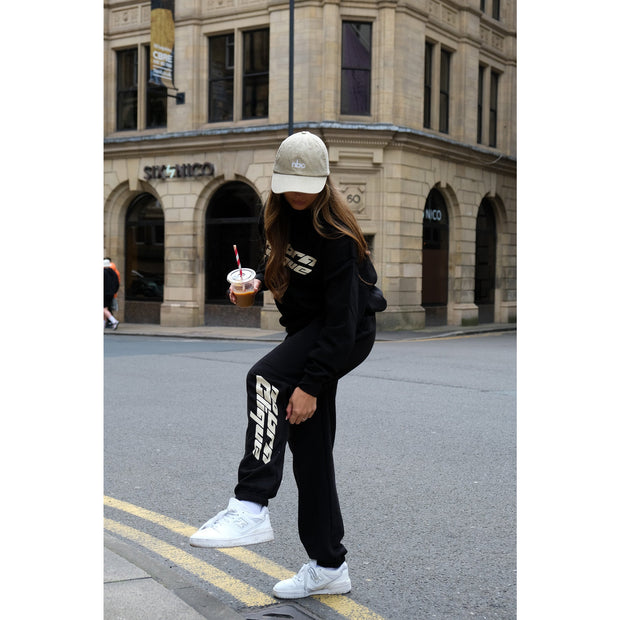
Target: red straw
(238, 262)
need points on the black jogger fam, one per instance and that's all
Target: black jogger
(270, 383)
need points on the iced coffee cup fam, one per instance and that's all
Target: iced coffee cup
(242, 285)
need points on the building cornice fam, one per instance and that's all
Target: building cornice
(361, 134)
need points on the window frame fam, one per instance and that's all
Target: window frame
(348, 72)
(252, 78)
(495, 9)
(444, 89)
(250, 82)
(493, 106)
(429, 49)
(145, 93)
(229, 64)
(480, 111)
(123, 90)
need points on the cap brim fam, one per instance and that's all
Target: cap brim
(281, 183)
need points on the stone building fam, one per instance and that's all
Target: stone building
(415, 99)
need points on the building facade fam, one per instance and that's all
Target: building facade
(415, 100)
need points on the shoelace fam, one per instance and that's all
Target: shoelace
(300, 577)
(231, 515)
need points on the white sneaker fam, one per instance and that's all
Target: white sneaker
(314, 579)
(234, 527)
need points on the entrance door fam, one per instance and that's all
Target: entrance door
(144, 260)
(232, 219)
(486, 242)
(435, 252)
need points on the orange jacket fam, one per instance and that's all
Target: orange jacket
(113, 266)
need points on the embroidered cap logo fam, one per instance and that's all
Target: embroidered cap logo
(301, 165)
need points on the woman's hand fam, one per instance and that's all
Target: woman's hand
(301, 406)
(233, 298)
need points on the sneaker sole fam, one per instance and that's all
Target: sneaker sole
(343, 588)
(250, 539)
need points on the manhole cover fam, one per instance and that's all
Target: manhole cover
(278, 612)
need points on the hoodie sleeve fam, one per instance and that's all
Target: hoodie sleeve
(340, 317)
(260, 268)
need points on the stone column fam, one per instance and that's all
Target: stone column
(181, 306)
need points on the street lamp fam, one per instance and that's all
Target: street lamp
(291, 62)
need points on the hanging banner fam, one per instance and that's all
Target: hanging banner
(162, 43)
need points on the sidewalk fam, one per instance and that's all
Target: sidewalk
(135, 593)
(136, 587)
(215, 332)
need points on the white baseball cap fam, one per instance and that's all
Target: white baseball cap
(302, 165)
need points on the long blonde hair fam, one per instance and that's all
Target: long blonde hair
(329, 210)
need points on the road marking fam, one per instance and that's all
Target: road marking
(173, 525)
(339, 603)
(241, 591)
(258, 562)
(347, 608)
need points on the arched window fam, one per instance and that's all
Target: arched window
(486, 242)
(435, 248)
(232, 219)
(144, 250)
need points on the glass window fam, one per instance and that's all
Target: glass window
(256, 73)
(144, 250)
(221, 77)
(435, 249)
(493, 108)
(127, 89)
(156, 100)
(480, 102)
(486, 240)
(428, 83)
(444, 92)
(356, 65)
(495, 9)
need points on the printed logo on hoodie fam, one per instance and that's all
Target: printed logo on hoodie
(299, 262)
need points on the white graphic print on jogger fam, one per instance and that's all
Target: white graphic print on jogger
(266, 411)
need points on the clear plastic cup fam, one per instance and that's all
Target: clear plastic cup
(242, 286)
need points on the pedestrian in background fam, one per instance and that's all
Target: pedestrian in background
(314, 251)
(114, 304)
(110, 287)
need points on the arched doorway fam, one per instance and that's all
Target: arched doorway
(435, 254)
(144, 260)
(486, 243)
(232, 218)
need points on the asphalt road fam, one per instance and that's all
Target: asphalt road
(425, 460)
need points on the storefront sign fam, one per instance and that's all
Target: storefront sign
(434, 215)
(179, 171)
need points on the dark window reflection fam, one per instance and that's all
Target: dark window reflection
(444, 91)
(256, 73)
(144, 250)
(221, 77)
(127, 89)
(356, 65)
(486, 240)
(435, 250)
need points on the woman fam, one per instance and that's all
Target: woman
(314, 251)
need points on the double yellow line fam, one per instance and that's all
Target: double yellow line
(249, 596)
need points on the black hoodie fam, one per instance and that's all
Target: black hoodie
(324, 284)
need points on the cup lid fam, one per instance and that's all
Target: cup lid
(235, 278)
